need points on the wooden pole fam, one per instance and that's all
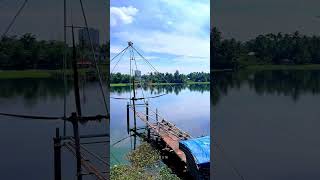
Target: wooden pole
(147, 118)
(128, 118)
(78, 107)
(75, 76)
(77, 144)
(64, 62)
(157, 115)
(57, 155)
(157, 123)
(134, 105)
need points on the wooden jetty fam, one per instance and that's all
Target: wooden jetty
(168, 132)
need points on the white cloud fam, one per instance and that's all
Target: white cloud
(169, 43)
(124, 15)
(115, 49)
(181, 41)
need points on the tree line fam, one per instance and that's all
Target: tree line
(280, 48)
(163, 77)
(26, 52)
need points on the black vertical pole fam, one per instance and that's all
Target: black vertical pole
(64, 61)
(75, 76)
(134, 107)
(77, 144)
(134, 104)
(157, 115)
(157, 122)
(147, 117)
(75, 116)
(57, 155)
(128, 119)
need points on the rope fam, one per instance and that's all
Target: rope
(135, 62)
(91, 153)
(14, 19)
(94, 57)
(117, 142)
(151, 97)
(151, 66)
(119, 54)
(117, 63)
(31, 117)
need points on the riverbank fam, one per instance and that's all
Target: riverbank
(284, 67)
(31, 73)
(274, 67)
(20, 74)
(157, 84)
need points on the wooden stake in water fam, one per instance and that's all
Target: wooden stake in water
(128, 118)
(147, 118)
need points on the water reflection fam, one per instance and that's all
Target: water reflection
(187, 106)
(27, 145)
(165, 89)
(267, 123)
(276, 82)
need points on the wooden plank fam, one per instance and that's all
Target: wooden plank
(167, 134)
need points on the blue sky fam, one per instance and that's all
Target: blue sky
(171, 34)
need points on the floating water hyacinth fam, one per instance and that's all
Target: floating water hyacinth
(145, 164)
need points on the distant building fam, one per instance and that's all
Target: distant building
(84, 40)
(137, 73)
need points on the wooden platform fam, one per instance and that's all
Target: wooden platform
(169, 133)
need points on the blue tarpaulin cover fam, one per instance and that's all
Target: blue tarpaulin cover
(199, 148)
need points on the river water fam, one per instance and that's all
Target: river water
(187, 106)
(266, 125)
(27, 145)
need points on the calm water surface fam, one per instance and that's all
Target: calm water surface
(267, 124)
(26, 145)
(186, 106)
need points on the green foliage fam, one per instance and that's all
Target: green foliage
(270, 48)
(163, 77)
(26, 52)
(142, 160)
(166, 174)
(143, 156)
(126, 172)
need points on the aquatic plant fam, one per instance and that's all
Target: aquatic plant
(144, 165)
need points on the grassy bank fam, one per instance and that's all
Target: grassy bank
(157, 84)
(284, 67)
(27, 74)
(274, 67)
(20, 74)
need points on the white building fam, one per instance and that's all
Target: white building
(137, 73)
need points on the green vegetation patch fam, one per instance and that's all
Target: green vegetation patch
(284, 67)
(144, 156)
(26, 74)
(144, 164)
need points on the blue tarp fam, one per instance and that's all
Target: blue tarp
(199, 148)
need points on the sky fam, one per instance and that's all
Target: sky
(245, 19)
(45, 18)
(171, 34)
